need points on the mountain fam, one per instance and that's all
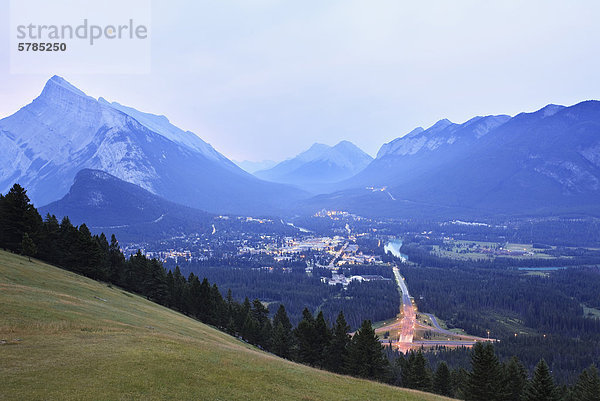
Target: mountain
(108, 204)
(253, 167)
(45, 144)
(539, 163)
(320, 164)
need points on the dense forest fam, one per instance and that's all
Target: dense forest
(373, 300)
(546, 312)
(313, 341)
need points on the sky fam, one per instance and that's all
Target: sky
(265, 79)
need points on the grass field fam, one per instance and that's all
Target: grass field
(65, 337)
(591, 312)
(474, 250)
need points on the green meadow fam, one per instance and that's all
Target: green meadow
(66, 337)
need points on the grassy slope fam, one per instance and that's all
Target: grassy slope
(61, 342)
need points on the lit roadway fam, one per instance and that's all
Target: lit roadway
(406, 325)
(331, 265)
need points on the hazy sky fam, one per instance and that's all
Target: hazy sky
(265, 79)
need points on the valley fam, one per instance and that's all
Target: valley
(399, 268)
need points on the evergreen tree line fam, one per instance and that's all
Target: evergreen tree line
(372, 300)
(488, 379)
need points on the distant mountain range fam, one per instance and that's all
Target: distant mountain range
(46, 143)
(253, 167)
(541, 163)
(320, 164)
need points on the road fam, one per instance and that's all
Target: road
(465, 337)
(331, 264)
(403, 328)
(439, 329)
(406, 324)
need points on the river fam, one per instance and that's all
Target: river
(394, 247)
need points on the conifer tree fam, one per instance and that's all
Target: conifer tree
(179, 290)
(322, 338)
(485, 379)
(420, 374)
(515, 376)
(542, 386)
(48, 245)
(260, 315)
(18, 216)
(155, 286)
(192, 295)
(460, 378)
(218, 312)
(407, 370)
(305, 337)
(282, 340)
(442, 382)
(587, 387)
(116, 258)
(28, 248)
(365, 354)
(241, 315)
(337, 352)
(230, 306)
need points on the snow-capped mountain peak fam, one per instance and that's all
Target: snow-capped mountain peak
(162, 126)
(63, 130)
(318, 165)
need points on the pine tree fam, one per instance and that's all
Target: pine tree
(28, 247)
(171, 290)
(202, 301)
(282, 340)
(18, 216)
(250, 329)
(305, 338)
(230, 306)
(515, 376)
(240, 315)
(365, 354)
(180, 285)
(218, 311)
(587, 387)
(337, 352)
(420, 374)
(322, 338)
(542, 386)
(103, 249)
(460, 378)
(485, 379)
(116, 271)
(86, 253)
(155, 287)
(192, 295)
(48, 246)
(442, 382)
(260, 314)
(407, 366)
